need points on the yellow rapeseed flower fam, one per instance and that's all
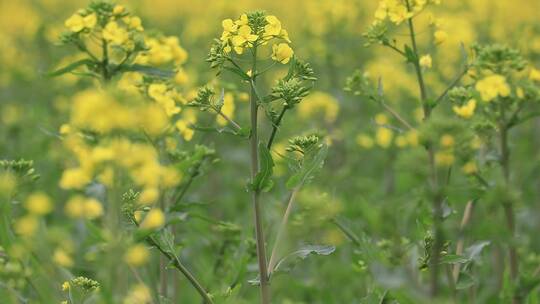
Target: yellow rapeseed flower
(62, 258)
(38, 203)
(466, 110)
(426, 61)
(136, 255)
(155, 219)
(493, 86)
(115, 34)
(26, 226)
(282, 53)
(384, 137)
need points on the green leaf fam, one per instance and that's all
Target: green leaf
(71, 67)
(465, 281)
(454, 259)
(310, 165)
(410, 54)
(152, 71)
(291, 260)
(262, 181)
(238, 72)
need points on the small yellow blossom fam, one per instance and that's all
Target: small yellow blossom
(243, 37)
(155, 219)
(381, 119)
(148, 196)
(469, 168)
(534, 75)
(7, 183)
(492, 86)
(118, 9)
(384, 137)
(65, 286)
(282, 53)
(447, 141)
(426, 61)
(466, 110)
(273, 28)
(114, 33)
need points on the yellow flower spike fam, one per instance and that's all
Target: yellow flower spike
(282, 53)
(467, 110)
(136, 255)
(155, 219)
(426, 61)
(38, 203)
(493, 86)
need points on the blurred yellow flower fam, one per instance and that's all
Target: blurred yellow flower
(364, 141)
(38, 203)
(384, 137)
(440, 36)
(148, 196)
(492, 86)
(62, 258)
(426, 61)
(466, 110)
(444, 158)
(469, 168)
(227, 109)
(26, 226)
(136, 255)
(155, 219)
(534, 75)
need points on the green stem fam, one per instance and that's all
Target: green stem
(255, 194)
(509, 211)
(281, 230)
(276, 127)
(437, 207)
(105, 61)
(178, 265)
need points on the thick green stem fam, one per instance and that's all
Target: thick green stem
(255, 194)
(105, 61)
(435, 191)
(509, 211)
